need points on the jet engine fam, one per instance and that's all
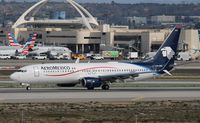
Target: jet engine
(91, 83)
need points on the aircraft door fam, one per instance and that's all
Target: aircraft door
(36, 71)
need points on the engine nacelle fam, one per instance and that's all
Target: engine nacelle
(91, 83)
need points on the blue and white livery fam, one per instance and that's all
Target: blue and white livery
(93, 75)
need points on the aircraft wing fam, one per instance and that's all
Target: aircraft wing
(114, 77)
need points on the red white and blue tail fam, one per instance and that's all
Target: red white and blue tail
(12, 40)
(30, 43)
(26, 48)
(31, 40)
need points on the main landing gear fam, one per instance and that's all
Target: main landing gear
(28, 87)
(105, 87)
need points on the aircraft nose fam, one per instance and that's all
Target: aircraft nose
(14, 76)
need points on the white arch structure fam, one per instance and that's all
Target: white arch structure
(87, 21)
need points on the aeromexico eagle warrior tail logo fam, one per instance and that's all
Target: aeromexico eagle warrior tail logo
(168, 52)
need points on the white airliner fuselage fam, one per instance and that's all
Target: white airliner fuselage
(44, 49)
(93, 75)
(73, 73)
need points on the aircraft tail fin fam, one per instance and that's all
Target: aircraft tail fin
(25, 49)
(165, 57)
(30, 43)
(12, 40)
(32, 40)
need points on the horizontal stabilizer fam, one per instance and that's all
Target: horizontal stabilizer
(167, 72)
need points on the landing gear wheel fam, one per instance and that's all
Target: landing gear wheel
(28, 88)
(105, 87)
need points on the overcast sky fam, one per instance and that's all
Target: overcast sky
(129, 1)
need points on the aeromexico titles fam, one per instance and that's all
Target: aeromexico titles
(94, 75)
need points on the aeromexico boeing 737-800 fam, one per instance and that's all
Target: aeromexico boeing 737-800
(93, 75)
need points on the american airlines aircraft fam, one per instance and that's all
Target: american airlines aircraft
(14, 42)
(93, 75)
(32, 49)
(14, 47)
(45, 49)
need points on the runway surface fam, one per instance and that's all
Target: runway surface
(20, 95)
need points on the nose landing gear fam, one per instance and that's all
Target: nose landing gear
(27, 86)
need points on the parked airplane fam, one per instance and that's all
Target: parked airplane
(44, 49)
(16, 48)
(14, 42)
(93, 75)
(15, 51)
(14, 45)
(35, 49)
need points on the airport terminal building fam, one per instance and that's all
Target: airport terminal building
(84, 34)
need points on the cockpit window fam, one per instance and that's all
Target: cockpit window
(22, 71)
